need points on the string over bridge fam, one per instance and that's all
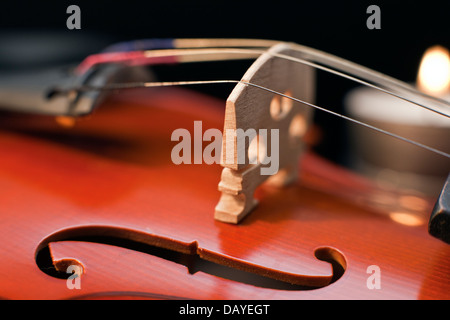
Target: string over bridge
(260, 122)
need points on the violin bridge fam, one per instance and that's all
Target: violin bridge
(258, 123)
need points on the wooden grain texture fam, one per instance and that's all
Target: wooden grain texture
(112, 175)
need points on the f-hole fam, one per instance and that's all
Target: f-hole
(190, 259)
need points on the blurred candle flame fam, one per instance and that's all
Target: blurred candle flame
(434, 72)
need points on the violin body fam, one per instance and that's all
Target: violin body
(105, 196)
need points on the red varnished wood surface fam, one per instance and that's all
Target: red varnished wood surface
(112, 175)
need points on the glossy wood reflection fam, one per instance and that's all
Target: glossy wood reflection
(111, 175)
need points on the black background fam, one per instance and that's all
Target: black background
(338, 27)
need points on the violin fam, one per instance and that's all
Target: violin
(95, 207)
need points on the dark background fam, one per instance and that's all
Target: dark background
(337, 27)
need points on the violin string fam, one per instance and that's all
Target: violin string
(418, 144)
(144, 45)
(115, 86)
(376, 87)
(331, 60)
(379, 79)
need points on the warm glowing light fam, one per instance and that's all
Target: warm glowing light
(406, 218)
(434, 71)
(64, 121)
